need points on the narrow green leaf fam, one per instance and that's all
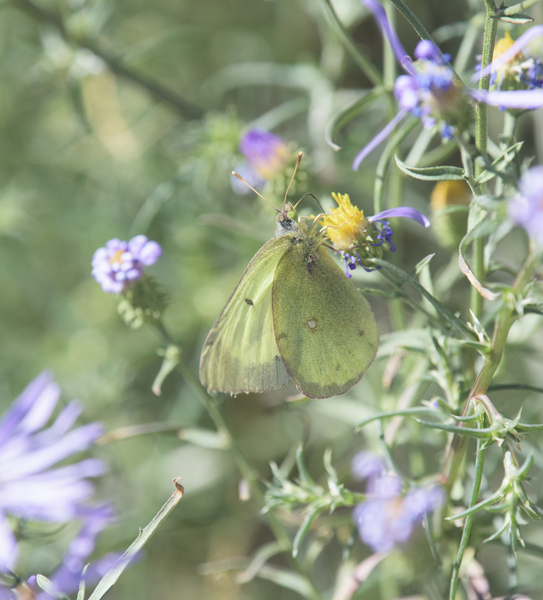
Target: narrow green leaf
(258, 560)
(302, 471)
(48, 586)
(439, 173)
(476, 433)
(499, 163)
(481, 348)
(483, 228)
(524, 428)
(460, 327)
(82, 585)
(310, 518)
(406, 412)
(423, 263)
(288, 579)
(111, 577)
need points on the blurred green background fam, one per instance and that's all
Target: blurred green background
(87, 155)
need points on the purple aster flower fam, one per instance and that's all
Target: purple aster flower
(428, 90)
(29, 487)
(388, 518)
(266, 155)
(266, 152)
(116, 266)
(526, 209)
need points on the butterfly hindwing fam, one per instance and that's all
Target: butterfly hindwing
(240, 353)
(324, 327)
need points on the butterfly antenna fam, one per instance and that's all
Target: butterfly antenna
(238, 176)
(300, 154)
(314, 198)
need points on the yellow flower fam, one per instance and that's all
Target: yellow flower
(346, 226)
(502, 45)
(506, 74)
(450, 193)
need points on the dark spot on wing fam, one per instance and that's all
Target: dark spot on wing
(361, 332)
(249, 301)
(280, 336)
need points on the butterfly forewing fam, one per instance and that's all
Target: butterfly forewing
(240, 353)
(324, 327)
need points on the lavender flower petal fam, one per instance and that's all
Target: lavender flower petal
(22, 405)
(402, 211)
(520, 99)
(28, 487)
(380, 137)
(382, 21)
(366, 465)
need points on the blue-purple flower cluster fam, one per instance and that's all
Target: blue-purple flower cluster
(429, 89)
(30, 487)
(119, 264)
(388, 517)
(266, 155)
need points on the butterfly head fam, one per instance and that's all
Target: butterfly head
(287, 221)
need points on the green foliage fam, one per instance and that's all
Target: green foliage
(119, 119)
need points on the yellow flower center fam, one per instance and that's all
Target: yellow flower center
(116, 257)
(345, 225)
(502, 45)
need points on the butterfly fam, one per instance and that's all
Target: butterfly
(293, 315)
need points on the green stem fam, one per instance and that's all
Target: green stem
(184, 107)
(243, 465)
(516, 8)
(484, 378)
(367, 67)
(481, 133)
(478, 475)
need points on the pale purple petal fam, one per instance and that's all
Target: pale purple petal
(511, 52)
(378, 139)
(366, 465)
(382, 21)
(42, 409)
(427, 49)
(8, 546)
(388, 486)
(65, 419)
(150, 253)
(402, 211)
(137, 243)
(43, 457)
(520, 99)
(22, 405)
